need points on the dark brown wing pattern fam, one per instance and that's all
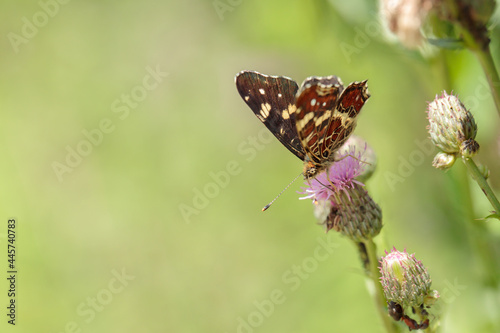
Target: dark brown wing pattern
(272, 100)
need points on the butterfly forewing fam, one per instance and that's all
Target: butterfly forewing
(272, 99)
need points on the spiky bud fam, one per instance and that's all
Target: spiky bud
(405, 279)
(469, 148)
(339, 199)
(352, 212)
(452, 126)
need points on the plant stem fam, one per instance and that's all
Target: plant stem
(481, 181)
(477, 41)
(481, 240)
(486, 61)
(379, 297)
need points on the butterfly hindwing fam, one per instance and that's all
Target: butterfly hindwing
(344, 119)
(272, 100)
(326, 117)
(316, 107)
(353, 98)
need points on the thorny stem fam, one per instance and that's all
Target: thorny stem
(476, 39)
(481, 181)
(480, 235)
(374, 275)
(486, 60)
(477, 230)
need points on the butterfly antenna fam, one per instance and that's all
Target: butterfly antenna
(269, 204)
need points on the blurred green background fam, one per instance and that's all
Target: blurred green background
(117, 211)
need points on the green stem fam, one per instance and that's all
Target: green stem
(483, 184)
(486, 61)
(476, 230)
(379, 297)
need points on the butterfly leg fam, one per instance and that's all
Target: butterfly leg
(333, 187)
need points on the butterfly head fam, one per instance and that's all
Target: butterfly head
(311, 170)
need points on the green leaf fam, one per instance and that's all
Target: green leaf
(447, 43)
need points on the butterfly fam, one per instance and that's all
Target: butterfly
(312, 122)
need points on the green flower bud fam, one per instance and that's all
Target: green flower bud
(469, 148)
(444, 161)
(405, 279)
(452, 126)
(353, 213)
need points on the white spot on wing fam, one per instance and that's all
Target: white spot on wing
(313, 102)
(262, 92)
(247, 98)
(264, 110)
(279, 95)
(285, 114)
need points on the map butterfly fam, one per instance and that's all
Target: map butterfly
(313, 121)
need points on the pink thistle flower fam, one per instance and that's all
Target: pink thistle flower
(340, 176)
(339, 199)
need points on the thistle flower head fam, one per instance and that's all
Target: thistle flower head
(405, 19)
(452, 126)
(340, 176)
(405, 279)
(353, 213)
(367, 156)
(341, 202)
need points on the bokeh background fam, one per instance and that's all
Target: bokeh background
(118, 209)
